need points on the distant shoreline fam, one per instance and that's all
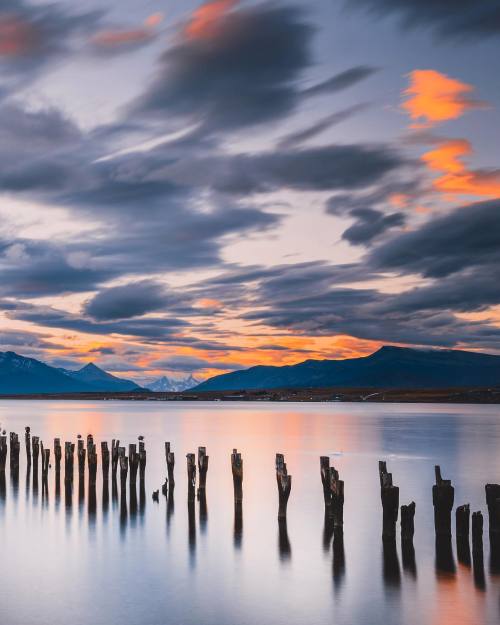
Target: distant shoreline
(312, 395)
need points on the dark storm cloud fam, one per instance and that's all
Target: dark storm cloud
(465, 238)
(341, 81)
(188, 364)
(242, 74)
(458, 19)
(370, 224)
(130, 300)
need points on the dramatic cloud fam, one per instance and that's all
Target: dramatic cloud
(118, 40)
(342, 81)
(433, 97)
(461, 19)
(232, 68)
(130, 300)
(188, 364)
(370, 224)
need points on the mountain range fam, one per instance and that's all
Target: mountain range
(24, 376)
(388, 368)
(170, 385)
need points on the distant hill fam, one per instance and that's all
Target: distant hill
(389, 367)
(167, 385)
(100, 380)
(24, 376)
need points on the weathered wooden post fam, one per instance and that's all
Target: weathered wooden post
(324, 468)
(35, 445)
(133, 461)
(27, 443)
(45, 463)
(408, 522)
(69, 458)
(202, 470)
(142, 461)
(237, 470)
(123, 461)
(170, 458)
(493, 503)
(92, 461)
(337, 501)
(115, 444)
(15, 448)
(284, 482)
(57, 454)
(463, 522)
(191, 475)
(3, 452)
(389, 495)
(443, 496)
(105, 462)
(477, 550)
(81, 455)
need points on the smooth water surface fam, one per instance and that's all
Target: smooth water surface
(113, 561)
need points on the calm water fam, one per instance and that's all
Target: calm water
(145, 562)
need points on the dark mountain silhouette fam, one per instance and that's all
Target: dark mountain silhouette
(100, 380)
(25, 376)
(389, 367)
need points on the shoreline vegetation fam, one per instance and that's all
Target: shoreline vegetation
(459, 395)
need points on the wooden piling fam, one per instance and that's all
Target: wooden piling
(493, 503)
(69, 462)
(92, 461)
(462, 515)
(123, 461)
(45, 463)
(105, 460)
(57, 454)
(170, 458)
(408, 522)
(133, 462)
(191, 475)
(15, 448)
(81, 453)
(3, 452)
(202, 470)
(443, 495)
(142, 460)
(389, 495)
(324, 467)
(115, 445)
(477, 532)
(237, 470)
(27, 443)
(284, 482)
(337, 501)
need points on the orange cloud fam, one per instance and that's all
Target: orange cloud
(108, 39)
(17, 36)
(433, 98)
(457, 178)
(205, 21)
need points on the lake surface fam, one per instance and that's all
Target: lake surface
(70, 561)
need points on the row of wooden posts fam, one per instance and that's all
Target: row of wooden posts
(443, 493)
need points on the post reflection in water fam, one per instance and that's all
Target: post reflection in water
(391, 568)
(3, 488)
(170, 506)
(444, 562)
(105, 499)
(133, 503)
(191, 532)
(328, 528)
(284, 546)
(238, 525)
(408, 558)
(338, 565)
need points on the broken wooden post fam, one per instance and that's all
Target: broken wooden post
(142, 461)
(81, 453)
(443, 495)
(105, 460)
(69, 461)
(493, 503)
(389, 495)
(57, 454)
(408, 522)
(237, 469)
(123, 461)
(3, 452)
(115, 444)
(92, 461)
(133, 463)
(191, 475)
(463, 522)
(27, 443)
(202, 470)
(170, 458)
(284, 482)
(15, 448)
(477, 532)
(45, 463)
(324, 467)
(164, 488)
(337, 501)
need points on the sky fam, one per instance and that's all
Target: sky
(196, 187)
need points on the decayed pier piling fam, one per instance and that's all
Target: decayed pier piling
(105, 460)
(443, 496)
(92, 460)
(133, 461)
(115, 444)
(123, 461)
(27, 443)
(69, 462)
(408, 522)
(142, 460)
(237, 470)
(493, 503)
(191, 476)
(202, 470)
(170, 458)
(3, 452)
(57, 454)
(15, 448)
(389, 495)
(284, 482)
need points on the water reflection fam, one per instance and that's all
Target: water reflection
(444, 562)
(391, 570)
(408, 558)
(338, 567)
(284, 546)
(238, 525)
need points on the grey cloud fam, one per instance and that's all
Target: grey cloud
(370, 224)
(130, 300)
(341, 81)
(187, 364)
